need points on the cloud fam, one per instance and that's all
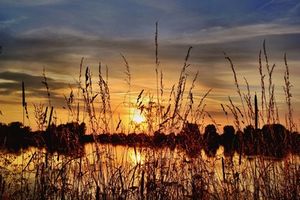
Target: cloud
(10, 83)
(31, 2)
(60, 53)
(54, 50)
(9, 22)
(165, 6)
(223, 34)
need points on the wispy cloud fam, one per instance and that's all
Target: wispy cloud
(223, 34)
(10, 83)
(9, 22)
(165, 6)
(31, 2)
(45, 48)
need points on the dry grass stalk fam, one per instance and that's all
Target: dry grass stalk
(288, 96)
(45, 82)
(103, 114)
(40, 115)
(108, 101)
(88, 95)
(225, 112)
(237, 85)
(255, 112)
(263, 90)
(50, 116)
(79, 89)
(45, 116)
(69, 102)
(166, 112)
(128, 81)
(190, 99)
(158, 117)
(248, 101)
(88, 98)
(161, 85)
(213, 121)
(24, 103)
(270, 112)
(149, 111)
(200, 107)
(180, 88)
(277, 119)
(234, 111)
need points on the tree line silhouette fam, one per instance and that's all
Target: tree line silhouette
(271, 140)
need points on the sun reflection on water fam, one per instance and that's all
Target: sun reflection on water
(136, 157)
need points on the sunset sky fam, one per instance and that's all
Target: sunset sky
(56, 34)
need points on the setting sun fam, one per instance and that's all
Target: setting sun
(138, 117)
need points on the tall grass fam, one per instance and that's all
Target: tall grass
(268, 113)
(180, 90)
(128, 82)
(287, 90)
(158, 96)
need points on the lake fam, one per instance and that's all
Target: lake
(111, 172)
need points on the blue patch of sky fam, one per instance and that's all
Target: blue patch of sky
(134, 18)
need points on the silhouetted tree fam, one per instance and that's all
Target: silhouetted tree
(274, 139)
(211, 139)
(227, 139)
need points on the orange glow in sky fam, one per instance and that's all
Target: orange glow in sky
(55, 35)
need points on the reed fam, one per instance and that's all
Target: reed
(45, 83)
(237, 86)
(198, 114)
(248, 100)
(103, 95)
(40, 115)
(190, 100)
(268, 114)
(79, 89)
(156, 74)
(234, 112)
(128, 82)
(270, 70)
(224, 111)
(180, 88)
(288, 97)
(69, 104)
(256, 112)
(263, 91)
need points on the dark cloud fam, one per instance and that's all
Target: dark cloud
(10, 83)
(59, 50)
(56, 53)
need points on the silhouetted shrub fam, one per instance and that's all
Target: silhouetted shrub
(274, 139)
(65, 137)
(251, 140)
(14, 136)
(159, 138)
(211, 139)
(227, 139)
